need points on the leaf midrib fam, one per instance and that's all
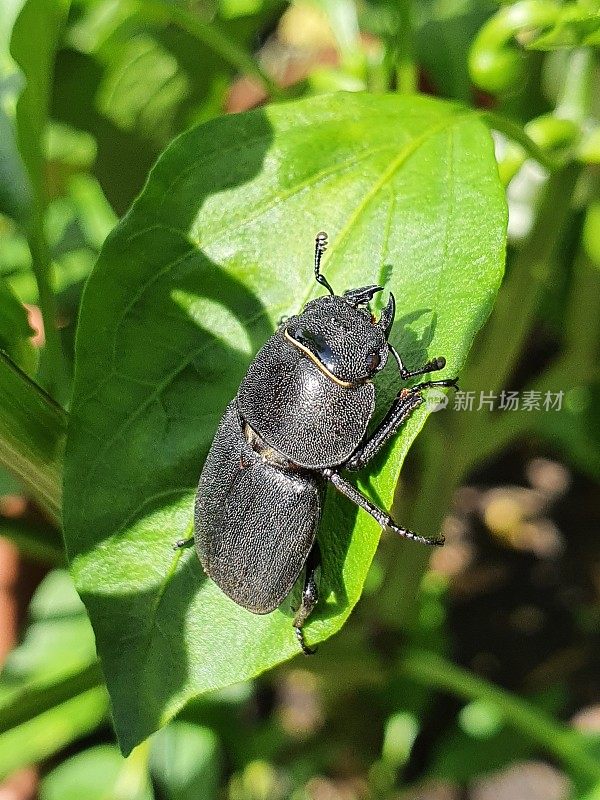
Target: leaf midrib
(403, 156)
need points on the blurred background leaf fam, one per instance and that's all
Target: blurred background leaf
(45, 703)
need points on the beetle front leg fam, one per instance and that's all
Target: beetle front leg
(431, 366)
(384, 519)
(310, 597)
(405, 403)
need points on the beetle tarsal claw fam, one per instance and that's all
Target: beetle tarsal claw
(181, 544)
(430, 540)
(308, 651)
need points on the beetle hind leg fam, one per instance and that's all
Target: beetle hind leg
(310, 597)
(382, 517)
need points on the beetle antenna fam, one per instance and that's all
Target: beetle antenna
(320, 247)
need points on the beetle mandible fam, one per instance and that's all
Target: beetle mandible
(299, 418)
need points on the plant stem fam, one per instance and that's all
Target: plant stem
(565, 743)
(406, 70)
(581, 340)
(52, 372)
(577, 363)
(399, 598)
(35, 40)
(32, 436)
(574, 103)
(504, 337)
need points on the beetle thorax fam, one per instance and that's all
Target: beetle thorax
(298, 411)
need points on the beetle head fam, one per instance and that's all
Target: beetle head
(339, 333)
(341, 336)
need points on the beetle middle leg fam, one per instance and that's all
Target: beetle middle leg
(405, 403)
(310, 597)
(383, 518)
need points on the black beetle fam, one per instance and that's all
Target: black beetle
(299, 417)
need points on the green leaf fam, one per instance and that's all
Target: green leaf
(33, 44)
(568, 745)
(444, 35)
(138, 73)
(575, 429)
(486, 744)
(187, 288)
(184, 762)
(15, 192)
(15, 196)
(591, 230)
(38, 542)
(143, 87)
(577, 24)
(50, 692)
(46, 733)
(461, 757)
(97, 774)
(58, 642)
(32, 436)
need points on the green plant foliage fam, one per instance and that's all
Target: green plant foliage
(135, 74)
(442, 41)
(34, 41)
(14, 329)
(576, 431)
(37, 718)
(59, 639)
(96, 774)
(49, 731)
(15, 192)
(33, 45)
(216, 249)
(14, 188)
(576, 25)
(436, 34)
(497, 62)
(184, 762)
(460, 755)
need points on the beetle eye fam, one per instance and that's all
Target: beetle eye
(373, 361)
